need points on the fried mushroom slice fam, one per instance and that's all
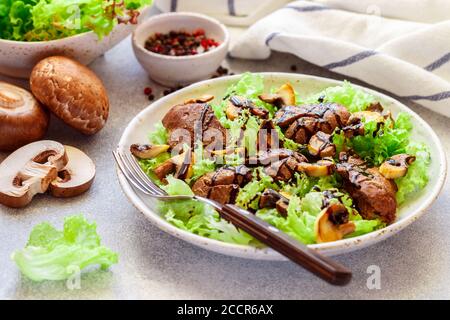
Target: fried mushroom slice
(203, 99)
(148, 151)
(396, 166)
(332, 223)
(284, 96)
(321, 168)
(236, 104)
(179, 165)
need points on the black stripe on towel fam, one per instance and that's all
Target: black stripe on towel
(350, 60)
(438, 63)
(435, 97)
(231, 8)
(173, 5)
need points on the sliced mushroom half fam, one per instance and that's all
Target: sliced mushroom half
(284, 96)
(367, 116)
(396, 166)
(320, 145)
(179, 165)
(321, 168)
(29, 171)
(237, 103)
(76, 177)
(332, 223)
(203, 99)
(148, 151)
(232, 111)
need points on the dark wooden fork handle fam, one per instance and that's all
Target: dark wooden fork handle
(314, 262)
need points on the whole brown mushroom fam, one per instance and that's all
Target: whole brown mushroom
(22, 119)
(72, 92)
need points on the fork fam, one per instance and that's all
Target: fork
(319, 265)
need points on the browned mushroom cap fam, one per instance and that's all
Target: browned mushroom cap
(72, 92)
(22, 119)
(148, 151)
(284, 96)
(332, 223)
(29, 170)
(396, 166)
(320, 145)
(76, 177)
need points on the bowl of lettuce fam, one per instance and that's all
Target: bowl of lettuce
(31, 30)
(201, 225)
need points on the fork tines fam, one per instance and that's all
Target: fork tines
(134, 173)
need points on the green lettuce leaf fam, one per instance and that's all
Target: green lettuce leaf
(349, 96)
(248, 196)
(160, 135)
(197, 217)
(51, 254)
(202, 164)
(417, 177)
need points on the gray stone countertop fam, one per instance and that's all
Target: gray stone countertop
(155, 265)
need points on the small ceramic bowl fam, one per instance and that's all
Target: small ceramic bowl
(174, 71)
(17, 58)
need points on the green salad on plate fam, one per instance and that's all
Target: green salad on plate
(321, 168)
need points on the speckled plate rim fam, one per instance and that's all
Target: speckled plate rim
(244, 251)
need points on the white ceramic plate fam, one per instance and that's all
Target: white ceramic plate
(138, 129)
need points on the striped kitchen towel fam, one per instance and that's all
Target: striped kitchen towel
(230, 12)
(401, 46)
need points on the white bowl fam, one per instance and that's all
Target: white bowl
(17, 58)
(175, 71)
(138, 129)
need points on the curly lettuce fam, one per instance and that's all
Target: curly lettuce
(417, 177)
(381, 142)
(197, 217)
(353, 98)
(43, 20)
(248, 196)
(51, 254)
